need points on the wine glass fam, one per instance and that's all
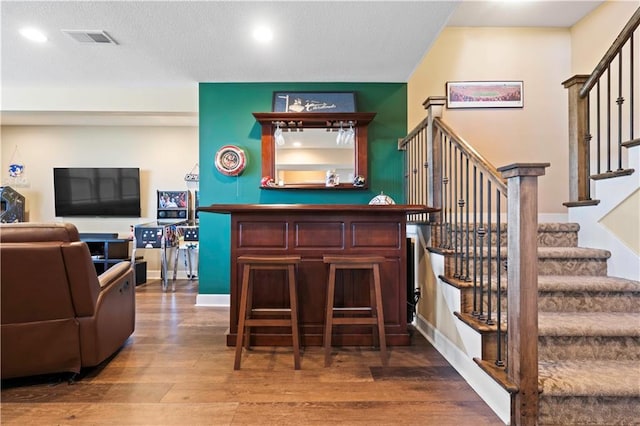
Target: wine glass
(279, 138)
(349, 135)
(341, 135)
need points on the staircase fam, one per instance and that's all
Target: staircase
(567, 350)
(588, 337)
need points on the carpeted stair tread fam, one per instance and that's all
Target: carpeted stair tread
(618, 324)
(542, 226)
(590, 378)
(543, 252)
(586, 283)
(572, 253)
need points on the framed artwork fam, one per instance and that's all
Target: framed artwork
(314, 102)
(485, 94)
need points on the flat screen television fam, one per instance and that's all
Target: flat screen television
(97, 191)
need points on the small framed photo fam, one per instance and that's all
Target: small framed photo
(314, 102)
(485, 94)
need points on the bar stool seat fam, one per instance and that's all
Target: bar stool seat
(245, 317)
(376, 317)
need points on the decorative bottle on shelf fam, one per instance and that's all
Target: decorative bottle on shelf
(332, 178)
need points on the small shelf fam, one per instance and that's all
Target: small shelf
(342, 186)
(106, 251)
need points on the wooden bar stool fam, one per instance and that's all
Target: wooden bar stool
(245, 317)
(377, 316)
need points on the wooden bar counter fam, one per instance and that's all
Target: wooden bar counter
(312, 231)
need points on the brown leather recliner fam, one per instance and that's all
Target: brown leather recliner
(57, 314)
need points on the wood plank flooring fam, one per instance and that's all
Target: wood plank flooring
(177, 370)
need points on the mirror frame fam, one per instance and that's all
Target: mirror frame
(322, 120)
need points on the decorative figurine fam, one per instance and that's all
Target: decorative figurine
(267, 181)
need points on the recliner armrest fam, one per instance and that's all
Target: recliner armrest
(114, 273)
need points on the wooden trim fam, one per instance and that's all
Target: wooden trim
(616, 47)
(578, 143)
(632, 142)
(314, 119)
(583, 203)
(316, 208)
(613, 174)
(498, 374)
(522, 296)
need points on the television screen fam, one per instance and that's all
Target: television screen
(97, 191)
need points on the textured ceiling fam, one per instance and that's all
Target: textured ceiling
(181, 43)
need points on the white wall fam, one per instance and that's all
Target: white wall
(163, 154)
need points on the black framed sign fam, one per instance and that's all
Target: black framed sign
(314, 102)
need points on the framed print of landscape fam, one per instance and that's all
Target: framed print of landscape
(485, 94)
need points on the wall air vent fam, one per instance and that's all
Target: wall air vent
(90, 36)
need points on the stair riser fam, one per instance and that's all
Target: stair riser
(557, 239)
(578, 410)
(588, 302)
(467, 302)
(560, 302)
(451, 268)
(559, 348)
(547, 266)
(545, 239)
(555, 266)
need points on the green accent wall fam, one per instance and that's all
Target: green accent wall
(226, 119)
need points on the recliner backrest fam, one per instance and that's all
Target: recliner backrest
(34, 232)
(83, 279)
(34, 283)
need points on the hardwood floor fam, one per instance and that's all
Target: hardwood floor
(177, 370)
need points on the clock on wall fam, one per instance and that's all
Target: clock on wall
(230, 160)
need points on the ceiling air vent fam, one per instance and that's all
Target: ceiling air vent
(90, 36)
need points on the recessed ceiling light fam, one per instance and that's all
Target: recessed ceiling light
(297, 144)
(33, 34)
(263, 34)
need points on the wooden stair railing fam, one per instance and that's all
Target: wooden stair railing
(596, 142)
(444, 171)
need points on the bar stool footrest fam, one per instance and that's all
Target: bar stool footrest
(253, 322)
(355, 321)
(266, 311)
(362, 310)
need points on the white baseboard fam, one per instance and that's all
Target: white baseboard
(213, 300)
(496, 397)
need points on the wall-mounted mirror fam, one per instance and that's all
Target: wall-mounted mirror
(299, 148)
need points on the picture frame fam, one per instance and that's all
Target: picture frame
(485, 94)
(317, 102)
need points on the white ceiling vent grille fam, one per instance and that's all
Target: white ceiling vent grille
(90, 36)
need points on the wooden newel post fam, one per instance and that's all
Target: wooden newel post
(522, 296)
(578, 144)
(434, 106)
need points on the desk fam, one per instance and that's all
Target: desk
(312, 231)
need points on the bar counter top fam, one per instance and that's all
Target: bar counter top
(285, 208)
